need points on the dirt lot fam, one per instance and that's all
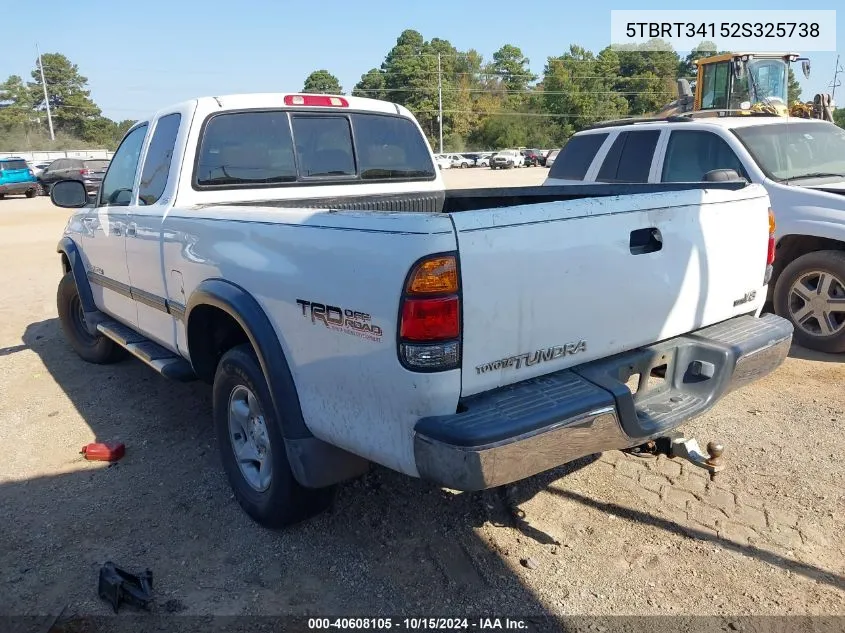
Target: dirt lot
(607, 535)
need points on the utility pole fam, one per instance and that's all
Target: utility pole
(440, 101)
(835, 82)
(46, 97)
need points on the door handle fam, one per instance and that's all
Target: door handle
(645, 241)
(131, 230)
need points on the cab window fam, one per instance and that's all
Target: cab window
(116, 190)
(691, 154)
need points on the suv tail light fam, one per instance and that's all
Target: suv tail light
(770, 254)
(430, 315)
(316, 100)
(84, 172)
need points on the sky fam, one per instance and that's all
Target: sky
(142, 57)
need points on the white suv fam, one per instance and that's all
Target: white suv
(800, 162)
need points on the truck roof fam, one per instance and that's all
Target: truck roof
(278, 100)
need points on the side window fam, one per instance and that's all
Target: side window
(577, 155)
(116, 190)
(691, 154)
(323, 146)
(157, 161)
(629, 158)
(715, 89)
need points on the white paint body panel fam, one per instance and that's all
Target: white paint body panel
(532, 277)
(545, 275)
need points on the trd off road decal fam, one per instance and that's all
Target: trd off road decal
(341, 319)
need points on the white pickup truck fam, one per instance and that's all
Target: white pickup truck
(300, 253)
(800, 162)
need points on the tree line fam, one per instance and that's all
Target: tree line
(77, 121)
(489, 104)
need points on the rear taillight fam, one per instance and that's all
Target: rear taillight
(430, 315)
(770, 254)
(84, 172)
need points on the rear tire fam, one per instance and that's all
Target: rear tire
(810, 292)
(98, 349)
(246, 425)
(30, 193)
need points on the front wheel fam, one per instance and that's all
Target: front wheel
(97, 349)
(252, 448)
(810, 292)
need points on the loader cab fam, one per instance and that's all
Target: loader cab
(745, 81)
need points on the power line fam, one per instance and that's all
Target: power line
(835, 83)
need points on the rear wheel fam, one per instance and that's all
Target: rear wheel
(252, 448)
(30, 193)
(97, 349)
(810, 292)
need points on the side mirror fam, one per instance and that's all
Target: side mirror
(805, 68)
(70, 194)
(722, 175)
(684, 89)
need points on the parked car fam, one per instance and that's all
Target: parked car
(801, 164)
(228, 244)
(534, 158)
(507, 159)
(459, 160)
(483, 159)
(16, 178)
(550, 158)
(38, 167)
(443, 161)
(89, 171)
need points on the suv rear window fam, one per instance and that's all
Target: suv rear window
(9, 165)
(276, 147)
(575, 158)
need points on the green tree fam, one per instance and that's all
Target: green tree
(16, 102)
(371, 85)
(578, 88)
(647, 75)
(512, 67)
(793, 88)
(322, 81)
(70, 100)
(839, 117)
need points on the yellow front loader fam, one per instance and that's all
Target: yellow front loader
(746, 83)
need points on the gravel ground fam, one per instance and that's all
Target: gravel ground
(611, 534)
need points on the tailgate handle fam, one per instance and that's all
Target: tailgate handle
(646, 241)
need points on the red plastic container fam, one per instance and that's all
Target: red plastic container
(104, 451)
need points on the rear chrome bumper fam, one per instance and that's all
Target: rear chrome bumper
(526, 428)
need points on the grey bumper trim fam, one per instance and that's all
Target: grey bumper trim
(742, 350)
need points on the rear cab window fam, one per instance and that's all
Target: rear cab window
(283, 147)
(574, 159)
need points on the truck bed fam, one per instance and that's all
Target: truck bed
(457, 200)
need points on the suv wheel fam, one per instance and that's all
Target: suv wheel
(810, 292)
(252, 448)
(97, 349)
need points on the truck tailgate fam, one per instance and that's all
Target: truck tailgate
(551, 285)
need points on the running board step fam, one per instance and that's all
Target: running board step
(159, 358)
